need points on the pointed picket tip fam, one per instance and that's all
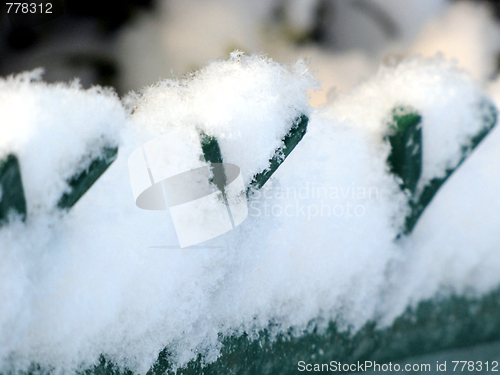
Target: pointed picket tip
(11, 189)
(81, 182)
(289, 142)
(405, 159)
(213, 156)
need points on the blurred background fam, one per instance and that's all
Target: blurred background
(129, 44)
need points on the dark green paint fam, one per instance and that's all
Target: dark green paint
(11, 189)
(82, 181)
(213, 156)
(291, 139)
(432, 326)
(405, 159)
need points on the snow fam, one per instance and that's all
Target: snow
(55, 130)
(319, 240)
(447, 98)
(247, 103)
